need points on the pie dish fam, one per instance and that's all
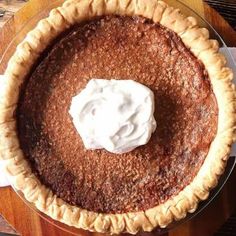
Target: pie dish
(149, 42)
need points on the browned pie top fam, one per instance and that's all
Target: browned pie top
(122, 48)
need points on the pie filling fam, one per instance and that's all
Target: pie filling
(117, 47)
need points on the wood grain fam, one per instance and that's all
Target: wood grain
(229, 228)
(28, 223)
(227, 8)
(16, 23)
(223, 28)
(5, 227)
(10, 7)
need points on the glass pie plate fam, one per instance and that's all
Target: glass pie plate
(29, 25)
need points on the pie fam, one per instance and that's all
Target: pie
(146, 41)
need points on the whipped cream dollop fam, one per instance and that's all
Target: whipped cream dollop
(114, 114)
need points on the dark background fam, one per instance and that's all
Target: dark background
(227, 8)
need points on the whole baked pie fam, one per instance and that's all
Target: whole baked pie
(150, 186)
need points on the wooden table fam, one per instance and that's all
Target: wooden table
(28, 223)
(8, 9)
(227, 8)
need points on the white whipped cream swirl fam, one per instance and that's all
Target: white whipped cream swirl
(114, 114)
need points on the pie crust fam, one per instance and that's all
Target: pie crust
(195, 38)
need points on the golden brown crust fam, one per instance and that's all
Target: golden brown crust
(197, 39)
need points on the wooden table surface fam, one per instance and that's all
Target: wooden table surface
(227, 8)
(28, 223)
